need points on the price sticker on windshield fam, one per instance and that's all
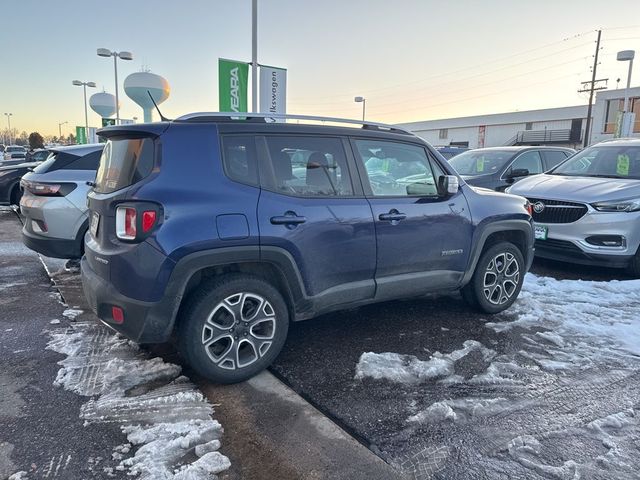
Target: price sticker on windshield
(480, 164)
(622, 167)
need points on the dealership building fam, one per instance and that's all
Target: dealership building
(564, 126)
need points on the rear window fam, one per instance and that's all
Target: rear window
(124, 162)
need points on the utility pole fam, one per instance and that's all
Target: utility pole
(591, 88)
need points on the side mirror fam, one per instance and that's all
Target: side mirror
(448, 184)
(518, 172)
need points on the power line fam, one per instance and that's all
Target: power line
(497, 60)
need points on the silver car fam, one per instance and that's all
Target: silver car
(587, 209)
(54, 201)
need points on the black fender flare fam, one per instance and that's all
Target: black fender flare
(480, 240)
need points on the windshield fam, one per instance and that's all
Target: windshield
(480, 162)
(611, 161)
(15, 149)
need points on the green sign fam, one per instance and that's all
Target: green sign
(233, 82)
(106, 122)
(81, 136)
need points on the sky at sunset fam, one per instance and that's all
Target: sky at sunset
(411, 59)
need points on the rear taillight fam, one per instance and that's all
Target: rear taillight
(133, 222)
(48, 189)
(117, 314)
(148, 220)
(126, 223)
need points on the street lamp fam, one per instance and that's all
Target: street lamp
(8, 115)
(60, 129)
(105, 52)
(627, 117)
(78, 83)
(363, 101)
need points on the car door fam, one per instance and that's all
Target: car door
(529, 160)
(310, 208)
(423, 237)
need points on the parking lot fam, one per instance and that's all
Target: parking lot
(546, 390)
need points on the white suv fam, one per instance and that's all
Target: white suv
(587, 209)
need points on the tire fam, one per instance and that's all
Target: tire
(223, 309)
(493, 296)
(634, 265)
(16, 194)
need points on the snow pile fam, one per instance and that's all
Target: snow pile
(162, 413)
(587, 322)
(462, 409)
(72, 313)
(410, 369)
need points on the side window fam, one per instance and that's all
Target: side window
(309, 166)
(239, 158)
(553, 158)
(397, 169)
(91, 161)
(529, 160)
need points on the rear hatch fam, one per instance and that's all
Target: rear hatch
(128, 159)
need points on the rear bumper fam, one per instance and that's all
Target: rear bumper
(144, 322)
(52, 247)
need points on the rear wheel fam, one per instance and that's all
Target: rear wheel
(497, 280)
(233, 327)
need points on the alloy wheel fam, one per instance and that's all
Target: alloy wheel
(501, 278)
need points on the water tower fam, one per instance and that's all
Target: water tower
(103, 103)
(138, 84)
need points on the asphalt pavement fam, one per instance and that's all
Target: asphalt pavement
(41, 432)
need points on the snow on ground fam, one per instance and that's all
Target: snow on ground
(163, 414)
(409, 369)
(563, 406)
(72, 313)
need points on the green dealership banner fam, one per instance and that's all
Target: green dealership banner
(81, 136)
(233, 83)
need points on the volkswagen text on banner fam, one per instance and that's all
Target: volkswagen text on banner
(233, 80)
(273, 89)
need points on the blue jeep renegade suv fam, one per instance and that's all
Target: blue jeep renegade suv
(224, 230)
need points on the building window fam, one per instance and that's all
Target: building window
(528, 126)
(444, 133)
(614, 107)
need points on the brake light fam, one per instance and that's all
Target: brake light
(134, 223)
(117, 314)
(126, 223)
(43, 189)
(148, 220)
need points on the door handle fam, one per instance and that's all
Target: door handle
(392, 216)
(289, 218)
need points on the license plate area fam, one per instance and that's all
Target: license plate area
(95, 222)
(540, 232)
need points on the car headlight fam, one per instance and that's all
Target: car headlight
(630, 205)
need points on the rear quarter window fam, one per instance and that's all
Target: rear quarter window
(124, 162)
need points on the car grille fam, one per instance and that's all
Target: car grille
(557, 211)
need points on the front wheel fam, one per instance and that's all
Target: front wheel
(233, 327)
(497, 280)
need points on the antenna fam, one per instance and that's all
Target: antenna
(162, 117)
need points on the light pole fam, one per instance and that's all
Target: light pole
(105, 52)
(8, 115)
(78, 83)
(627, 117)
(60, 129)
(363, 101)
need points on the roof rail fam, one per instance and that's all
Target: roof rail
(272, 117)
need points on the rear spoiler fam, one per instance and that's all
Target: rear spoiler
(134, 130)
